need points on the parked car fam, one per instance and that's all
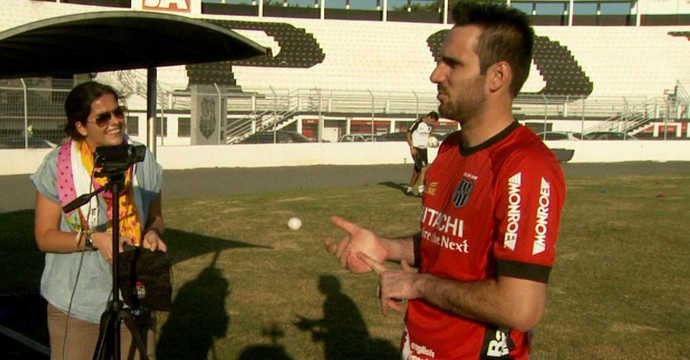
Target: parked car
(17, 142)
(441, 137)
(356, 138)
(563, 155)
(396, 136)
(281, 137)
(562, 135)
(611, 135)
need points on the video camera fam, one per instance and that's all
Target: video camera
(114, 159)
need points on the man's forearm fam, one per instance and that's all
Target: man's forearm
(502, 301)
(404, 248)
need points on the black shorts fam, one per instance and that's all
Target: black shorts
(421, 160)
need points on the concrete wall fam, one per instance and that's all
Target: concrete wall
(15, 162)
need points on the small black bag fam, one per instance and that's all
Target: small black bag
(145, 279)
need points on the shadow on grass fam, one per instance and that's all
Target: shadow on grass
(274, 351)
(184, 245)
(197, 318)
(394, 185)
(22, 262)
(342, 328)
(198, 315)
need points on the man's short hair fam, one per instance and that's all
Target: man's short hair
(506, 36)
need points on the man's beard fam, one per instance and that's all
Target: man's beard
(467, 105)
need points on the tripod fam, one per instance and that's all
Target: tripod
(108, 345)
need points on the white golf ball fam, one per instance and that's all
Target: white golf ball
(294, 223)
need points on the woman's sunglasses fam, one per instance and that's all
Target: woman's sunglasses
(103, 118)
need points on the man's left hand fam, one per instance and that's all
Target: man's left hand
(394, 285)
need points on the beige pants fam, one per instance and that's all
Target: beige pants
(82, 338)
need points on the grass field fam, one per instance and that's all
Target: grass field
(247, 287)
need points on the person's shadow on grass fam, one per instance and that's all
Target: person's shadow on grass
(342, 328)
(274, 351)
(197, 317)
(394, 185)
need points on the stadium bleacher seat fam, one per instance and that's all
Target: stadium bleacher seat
(399, 56)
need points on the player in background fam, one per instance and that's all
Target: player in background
(418, 139)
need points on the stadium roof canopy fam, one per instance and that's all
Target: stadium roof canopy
(116, 40)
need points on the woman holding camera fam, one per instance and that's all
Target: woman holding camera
(77, 276)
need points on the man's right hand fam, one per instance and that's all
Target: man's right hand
(358, 240)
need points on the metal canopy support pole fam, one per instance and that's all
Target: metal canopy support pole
(219, 121)
(319, 130)
(151, 95)
(385, 11)
(26, 114)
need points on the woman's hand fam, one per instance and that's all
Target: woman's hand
(152, 240)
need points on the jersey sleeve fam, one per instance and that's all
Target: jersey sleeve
(414, 126)
(531, 193)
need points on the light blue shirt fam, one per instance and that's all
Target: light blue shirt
(84, 279)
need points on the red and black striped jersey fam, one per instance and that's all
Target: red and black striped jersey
(490, 210)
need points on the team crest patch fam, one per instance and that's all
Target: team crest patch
(462, 193)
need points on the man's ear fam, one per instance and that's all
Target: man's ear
(500, 76)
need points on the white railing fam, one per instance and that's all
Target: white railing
(27, 110)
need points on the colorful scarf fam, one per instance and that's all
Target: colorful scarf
(130, 225)
(68, 183)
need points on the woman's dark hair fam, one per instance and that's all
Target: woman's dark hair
(78, 104)
(506, 36)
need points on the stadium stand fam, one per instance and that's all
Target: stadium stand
(374, 62)
(626, 60)
(332, 54)
(598, 61)
(377, 56)
(557, 63)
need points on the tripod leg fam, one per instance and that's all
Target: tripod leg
(139, 326)
(104, 345)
